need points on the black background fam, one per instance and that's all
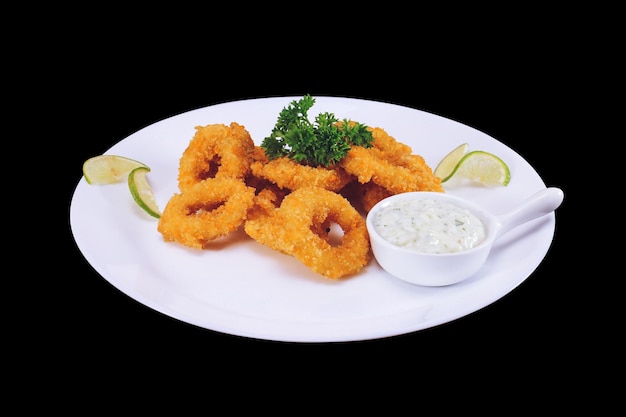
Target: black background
(519, 96)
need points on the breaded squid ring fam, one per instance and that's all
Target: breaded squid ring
(208, 210)
(299, 227)
(389, 145)
(391, 165)
(266, 199)
(372, 194)
(216, 151)
(287, 173)
(268, 195)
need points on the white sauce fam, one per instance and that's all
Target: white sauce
(429, 226)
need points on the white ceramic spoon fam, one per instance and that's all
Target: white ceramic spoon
(437, 269)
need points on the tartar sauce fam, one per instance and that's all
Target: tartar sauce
(429, 226)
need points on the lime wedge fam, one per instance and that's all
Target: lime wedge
(483, 167)
(108, 169)
(142, 192)
(449, 162)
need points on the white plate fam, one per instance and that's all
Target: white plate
(242, 288)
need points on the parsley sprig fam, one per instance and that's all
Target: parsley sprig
(322, 143)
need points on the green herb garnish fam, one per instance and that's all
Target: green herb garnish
(324, 142)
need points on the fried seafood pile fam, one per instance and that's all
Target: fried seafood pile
(227, 182)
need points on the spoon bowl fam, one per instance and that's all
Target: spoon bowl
(439, 269)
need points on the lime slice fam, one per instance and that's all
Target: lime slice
(108, 169)
(449, 162)
(142, 192)
(482, 167)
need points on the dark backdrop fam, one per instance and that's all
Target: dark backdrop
(519, 98)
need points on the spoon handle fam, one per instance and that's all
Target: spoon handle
(541, 203)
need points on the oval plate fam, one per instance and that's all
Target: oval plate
(242, 288)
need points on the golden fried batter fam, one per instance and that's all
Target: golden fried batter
(299, 227)
(227, 182)
(205, 211)
(287, 173)
(391, 165)
(216, 151)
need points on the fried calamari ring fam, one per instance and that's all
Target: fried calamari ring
(258, 155)
(268, 195)
(370, 165)
(389, 145)
(299, 227)
(287, 173)
(372, 194)
(205, 211)
(364, 196)
(267, 198)
(391, 165)
(216, 151)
